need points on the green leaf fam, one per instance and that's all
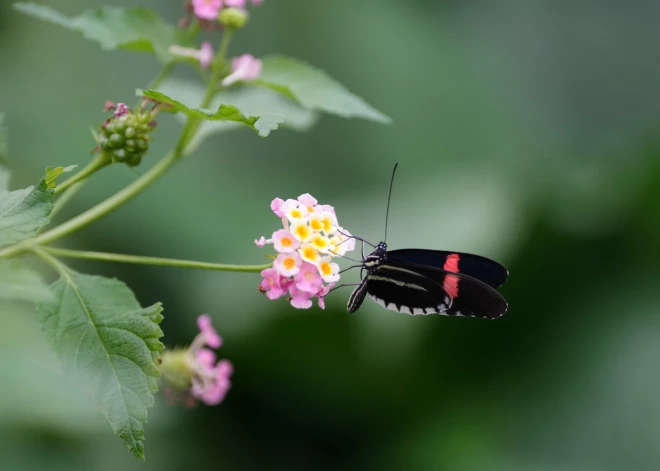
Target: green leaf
(18, 281)
(135, 29)
(251, 100)
(53, 173)
(24, 212)
(109, 346)
(315, 89)
(262, 124)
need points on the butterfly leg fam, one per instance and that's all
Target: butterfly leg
(350, 268)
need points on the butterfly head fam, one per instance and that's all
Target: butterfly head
(376, 257)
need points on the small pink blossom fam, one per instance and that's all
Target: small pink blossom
(211, 336)
(121, 110)
(308, 200)
(204, 54)
(206, 357)
(300, 299)
(273, 285)
(213, 391)
(207, 9)
(288, 264)
(245, 67)
(308, 279)
(194, 374)
(323, 293)
(285, 242)
(261, 242)
(276, 206)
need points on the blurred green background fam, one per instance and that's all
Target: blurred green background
(526, 130)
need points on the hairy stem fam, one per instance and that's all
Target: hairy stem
(140, 260)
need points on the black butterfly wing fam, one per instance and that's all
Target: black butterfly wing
(404, 290)
(414, 289)
(484, 269)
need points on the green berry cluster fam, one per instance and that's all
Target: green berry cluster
(126, 138)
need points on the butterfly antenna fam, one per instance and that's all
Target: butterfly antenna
(389, 197)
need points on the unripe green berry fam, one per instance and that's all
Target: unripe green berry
(233, 18)
(116, 141)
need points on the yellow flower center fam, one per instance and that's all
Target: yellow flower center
(326, 269)
(286, 242)
(289, 263)
(302, 232)
(296, 214)
(320, 243)
(327, 224)
(316, 225)
(309, 253)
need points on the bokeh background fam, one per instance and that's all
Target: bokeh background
(527, 131)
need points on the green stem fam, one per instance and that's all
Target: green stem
(100, 161)
(52, 261)
(217, 67)
(135, 188)
(140, 260)
(97, 211)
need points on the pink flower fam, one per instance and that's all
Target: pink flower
(261, 242)
(209, 333)
(214, 387)
(285, 242)
(275, 205)
(308, 200)
(323, 293)
(245, 67)
(300, 299)
(206, 357)
(121, 110)
(288, 264)
(207, 9)
(308, 279)
(273, 285)
(305, 248)
(193, 374)
(328, 208)
(204, 54)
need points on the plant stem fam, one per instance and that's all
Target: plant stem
(97, 211)
(217, 67)
(100, 161)
(140, 260)
(139, 185)
(52, 261)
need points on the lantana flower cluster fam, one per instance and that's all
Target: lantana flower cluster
(194, 374)
(309, 241)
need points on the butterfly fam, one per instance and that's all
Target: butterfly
(420, 281)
